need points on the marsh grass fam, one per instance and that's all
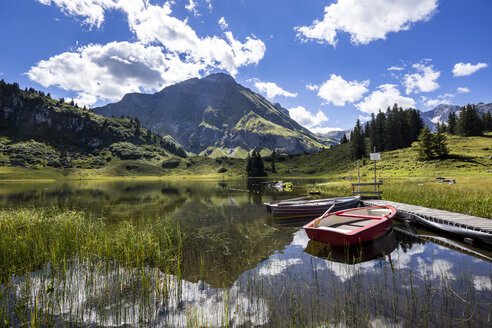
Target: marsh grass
(30, 238)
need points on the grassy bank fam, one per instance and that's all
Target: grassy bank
(470, 195)
(30, 238)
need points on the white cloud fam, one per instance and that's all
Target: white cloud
(462, 90)
(338, 91)
(223, 24)
(430, 103)
(272, 90)
(462, 69)
(386, 95)
(183, 53)
(312, 87)
(367, 20)
(92, 10)
(395, 68)
(277, 266)
(424, 80)
(305, 118)
(85, 99)
(110, 71)
(191, 6)
(364, 119)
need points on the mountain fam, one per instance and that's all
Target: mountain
(30, 114)
(333, 137)
(440, 112)
(216, 115)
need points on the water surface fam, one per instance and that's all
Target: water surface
(245, 269)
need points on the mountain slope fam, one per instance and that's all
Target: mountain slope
(215, 112)
(30, 114)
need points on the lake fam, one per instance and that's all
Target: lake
(240, 267)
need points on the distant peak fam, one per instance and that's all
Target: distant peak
(219, 77)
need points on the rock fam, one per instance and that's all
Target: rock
(488, 171)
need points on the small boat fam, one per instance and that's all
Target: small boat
(454, 229)
(359, 253)
(352, 226)
(303, 207)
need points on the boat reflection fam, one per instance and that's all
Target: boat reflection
(374, 249)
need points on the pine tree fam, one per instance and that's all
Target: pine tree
(426, 144)
(440, 145)
(358, 144)
(469, 123)
(257, 165)
(343, 140)
(249, 166)
(487, 122)
(415, 125)
(451, 128)
(274, 157)
(441, 127)
(261, 166)
(379, 131)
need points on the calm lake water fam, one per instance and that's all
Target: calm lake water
(246, 269)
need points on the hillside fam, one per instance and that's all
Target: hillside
(36, 130)
(216, 115)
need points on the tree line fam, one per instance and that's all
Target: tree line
(468, 123)
(394, 129)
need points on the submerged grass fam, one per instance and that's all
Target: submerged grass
(30, 238)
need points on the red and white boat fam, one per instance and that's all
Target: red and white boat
(352, 226)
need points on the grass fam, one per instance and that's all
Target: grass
(30, 238)
(470, 195)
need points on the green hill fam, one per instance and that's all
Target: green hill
(37, 131)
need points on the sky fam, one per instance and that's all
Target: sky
(328, 62)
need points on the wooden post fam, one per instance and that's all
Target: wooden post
(375, 186)
(358, 176)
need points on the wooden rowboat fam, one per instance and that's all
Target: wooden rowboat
(309, 208)
(359, 253)
(352, 226)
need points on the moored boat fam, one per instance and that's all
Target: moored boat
(311, 207)
(352, 226)
(359, 253)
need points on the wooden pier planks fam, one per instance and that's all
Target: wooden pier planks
(451, 218)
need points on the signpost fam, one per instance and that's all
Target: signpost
(375, 157)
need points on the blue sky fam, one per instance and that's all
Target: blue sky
(328, 62)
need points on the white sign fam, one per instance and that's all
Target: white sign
(375, 156)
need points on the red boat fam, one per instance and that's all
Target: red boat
(352, 226)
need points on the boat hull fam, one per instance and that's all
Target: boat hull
(375, 228)
(339, 239)
(312, 209)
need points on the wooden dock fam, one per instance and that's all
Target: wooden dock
(469, 222)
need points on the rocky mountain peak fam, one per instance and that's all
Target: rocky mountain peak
(219, 78)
